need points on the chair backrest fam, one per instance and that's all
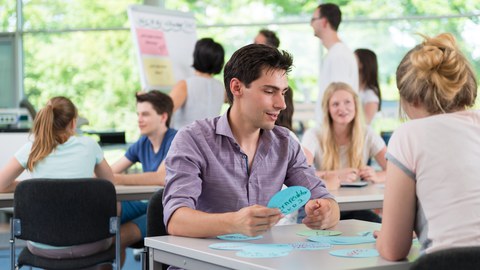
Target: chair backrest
(453, 258)
(64, 212)
(155, 225)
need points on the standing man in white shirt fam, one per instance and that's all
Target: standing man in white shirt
(339, 64)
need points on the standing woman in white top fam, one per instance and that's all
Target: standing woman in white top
(342, 146)
(200, 96)
(369, 91)
(433, 167)
(57, 153)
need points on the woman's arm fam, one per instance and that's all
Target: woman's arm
(395, 238)
(103, 170)
(147, 178)
(179, 94)
(368, 173)
(380, 158)
(333, 179)
(370, 109)
(8, 174)
(121, 165)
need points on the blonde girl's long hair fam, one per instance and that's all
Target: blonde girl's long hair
(331, 151)
(50, 128)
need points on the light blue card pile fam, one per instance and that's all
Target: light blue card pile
(355, 253)
(342, 240)
(310, 245)
(265, 251)
(229, 245)
(238, 237)
(318, 233)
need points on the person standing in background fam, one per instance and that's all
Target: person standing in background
(200, 96)
(339, 64)
(369, 89)
(267, 37)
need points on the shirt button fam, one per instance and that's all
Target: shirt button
(244, 156)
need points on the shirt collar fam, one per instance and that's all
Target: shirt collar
(223, 128)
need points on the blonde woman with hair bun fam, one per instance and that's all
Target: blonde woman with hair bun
(433, 160)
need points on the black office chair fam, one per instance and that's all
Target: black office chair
(65, 212)
(155, 225)
(453, 258)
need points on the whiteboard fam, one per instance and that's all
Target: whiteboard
(164, 41)
(10, 143)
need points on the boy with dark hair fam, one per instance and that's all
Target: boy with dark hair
(267, 37)
(154, 110)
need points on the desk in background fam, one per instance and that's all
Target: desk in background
(360, 198)
(124, 193)
(369, 197)
(194, 253)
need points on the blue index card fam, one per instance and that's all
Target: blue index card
(343, 240)
(229, 245)
(318, 233)
(265, 250)
(365, 233)
(355, 253)
(310, 245)
(290, 199)
(238, 237)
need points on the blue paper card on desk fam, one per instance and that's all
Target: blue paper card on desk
(238, 237)
(310, 245)
(343, 240)
(318, 233)
(229, 245)
(290, 199)
(355, 253)
(265, 251)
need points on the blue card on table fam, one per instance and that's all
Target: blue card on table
(290, 199)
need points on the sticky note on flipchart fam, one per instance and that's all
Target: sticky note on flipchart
(158, 71)
(290, 199)
(151, 42)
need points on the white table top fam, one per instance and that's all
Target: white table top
(194, 253)
(360, 198)
(369, 197)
